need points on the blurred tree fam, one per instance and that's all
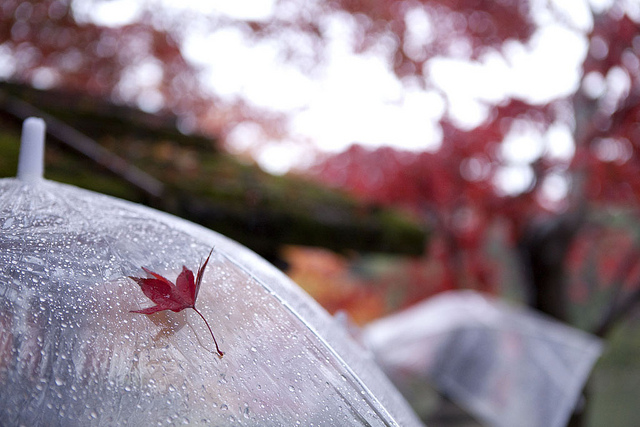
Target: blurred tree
(565, 225)
(56, 44)
(461, 186)
(134, 63)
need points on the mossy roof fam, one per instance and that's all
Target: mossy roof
(202, 183)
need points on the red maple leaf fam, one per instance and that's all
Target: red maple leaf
(175, 297)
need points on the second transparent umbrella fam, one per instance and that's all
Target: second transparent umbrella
(507, 366)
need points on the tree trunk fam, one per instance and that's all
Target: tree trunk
(543, 250)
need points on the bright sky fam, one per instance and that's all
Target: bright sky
(356, 98)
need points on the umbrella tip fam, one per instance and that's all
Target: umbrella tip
(31, 160)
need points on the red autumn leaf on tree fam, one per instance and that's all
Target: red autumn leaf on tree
(175, 297)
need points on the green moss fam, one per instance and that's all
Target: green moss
(208, 186)
(9, 149)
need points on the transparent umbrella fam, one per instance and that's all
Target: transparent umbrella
(72, 353)
(507, 366)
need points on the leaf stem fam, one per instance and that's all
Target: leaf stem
(220, 353)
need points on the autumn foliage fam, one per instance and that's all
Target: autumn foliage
(52, 44)
(52, 48)
(554, 252)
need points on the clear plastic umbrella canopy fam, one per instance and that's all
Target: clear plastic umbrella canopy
(72, 353)
(507, 366)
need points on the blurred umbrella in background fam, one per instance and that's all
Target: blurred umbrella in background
(507, 366)
(71, 353)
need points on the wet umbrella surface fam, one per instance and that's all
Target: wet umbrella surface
(72, 353)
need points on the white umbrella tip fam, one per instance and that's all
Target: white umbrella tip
(31, 160)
